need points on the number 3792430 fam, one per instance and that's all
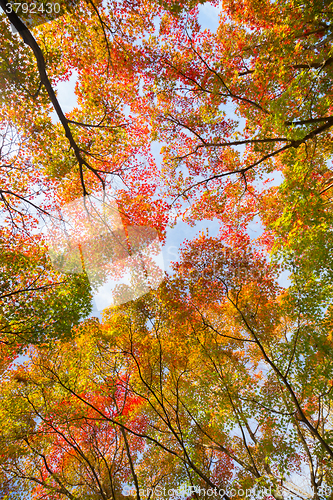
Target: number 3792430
(32, 8)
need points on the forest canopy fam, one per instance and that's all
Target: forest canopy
(213, 379)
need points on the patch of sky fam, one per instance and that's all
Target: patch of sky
(66, 96)
(209, 16)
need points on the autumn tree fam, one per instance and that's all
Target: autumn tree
(251, 99)
(91, 149)
(221, 375)
(226, 377)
